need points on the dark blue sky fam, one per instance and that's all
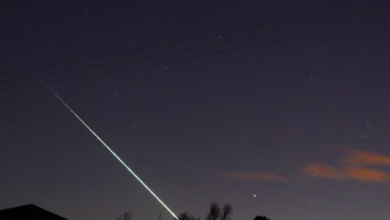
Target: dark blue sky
(299, 118)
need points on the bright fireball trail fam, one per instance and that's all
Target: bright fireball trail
(112, 152)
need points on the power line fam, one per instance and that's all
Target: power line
(185, 49)
(179, 42)
(191, 57)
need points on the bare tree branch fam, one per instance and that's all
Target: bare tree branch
(125, 216)
(226, 212)
(214, 212)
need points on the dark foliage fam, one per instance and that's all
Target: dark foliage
(186, 216)
(215, 212)
(125, 216)
(261, 218)
(226, 212)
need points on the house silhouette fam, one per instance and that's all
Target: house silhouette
(28, 212)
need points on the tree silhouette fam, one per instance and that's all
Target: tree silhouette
(226, 212)
(125, 216)
(186, 216)
(215, 212)
(261, 218)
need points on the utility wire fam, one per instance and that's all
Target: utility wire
(180, 42)
(187, 49)
(192, 57)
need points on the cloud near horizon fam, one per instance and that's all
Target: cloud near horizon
(358, 157)
(323, 170)
(356, 165)
(353, 166)
(264, 176)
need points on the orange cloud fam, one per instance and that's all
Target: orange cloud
(358, 157)
(322, 170)
(356, 165)
(367, 174)
(255, 176)
(352, 167)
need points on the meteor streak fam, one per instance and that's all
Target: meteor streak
(112, 152)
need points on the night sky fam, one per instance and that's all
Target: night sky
(280, 108)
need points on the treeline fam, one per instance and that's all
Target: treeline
(215, 213)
